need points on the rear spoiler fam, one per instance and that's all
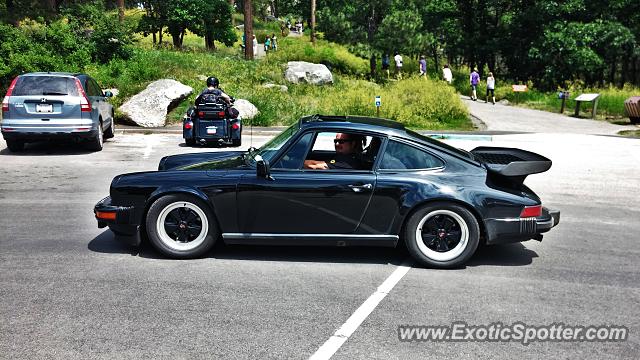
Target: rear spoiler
(510, 162)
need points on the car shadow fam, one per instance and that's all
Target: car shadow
(44, 148)
(502, 255)
(499, 255)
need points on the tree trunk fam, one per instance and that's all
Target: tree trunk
(612, 72)
(435, 58)
(313, 21)
(625, 68)
(160, 36)
(154, 38)
(371, 26)
(233, 6)
(248, 30)
(121, 10)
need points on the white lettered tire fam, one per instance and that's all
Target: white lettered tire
(181, 226)
(442, 235)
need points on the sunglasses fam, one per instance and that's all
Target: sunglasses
(341, 141)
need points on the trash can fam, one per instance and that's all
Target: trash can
(632, 108)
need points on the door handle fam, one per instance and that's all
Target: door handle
(360, 188)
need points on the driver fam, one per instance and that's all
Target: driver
(213, 88)
(348, 154)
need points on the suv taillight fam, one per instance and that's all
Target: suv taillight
(85, 105)
(5, 102)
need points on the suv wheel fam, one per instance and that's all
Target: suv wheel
(15, 145)
(95, 143)
(111, 130)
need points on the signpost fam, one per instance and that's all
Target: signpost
(378, 103)
(518, 89)
(587, 98)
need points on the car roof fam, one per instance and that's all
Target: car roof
(60, 74)
(379, 125)
(353, 122)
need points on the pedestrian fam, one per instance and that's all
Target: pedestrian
(274, 42)
(423, 66)
(491, 86)
(372, 65)
(446, 74)
(385, 64)
(255, 46)
(267, 44)
(474, 79)
(398, 60)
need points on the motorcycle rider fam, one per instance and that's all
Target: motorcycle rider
(213, 87)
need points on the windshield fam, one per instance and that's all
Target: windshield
(270, 149)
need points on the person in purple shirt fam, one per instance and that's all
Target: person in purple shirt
(474, 79)
(423, 66)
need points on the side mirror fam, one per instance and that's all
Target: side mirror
(191, 111)
(262, 168)
(108, 94)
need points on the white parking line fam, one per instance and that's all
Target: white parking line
(334, 343)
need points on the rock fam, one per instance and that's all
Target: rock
(247, 110)
(300, 71)
(203, 77)
(283, 88)
(149, 107)
(503, 102)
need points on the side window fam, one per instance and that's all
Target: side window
(342, 151)
(88, 88)
(294, 156)
(96, 88)
(398, 156)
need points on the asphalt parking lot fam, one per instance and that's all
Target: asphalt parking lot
(67, 290)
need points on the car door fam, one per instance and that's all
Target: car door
(300, 201)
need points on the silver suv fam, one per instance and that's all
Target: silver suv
(45, 106)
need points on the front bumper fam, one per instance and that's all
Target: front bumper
(510, 230)
(119, 219)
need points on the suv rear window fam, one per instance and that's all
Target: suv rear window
(45, 85)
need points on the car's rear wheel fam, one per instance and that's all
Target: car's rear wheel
(442, 235)
(111, 131)
(181, 226)
(15, 145)
(190, 142)
(236, 142)
(95, 143)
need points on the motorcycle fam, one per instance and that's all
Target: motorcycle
(211, 121)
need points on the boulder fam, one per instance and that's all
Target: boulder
(149, 107)
(283, 88)
(300, 71)
(247, 110)
(504, 102)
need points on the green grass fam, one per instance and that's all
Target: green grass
(418, 103)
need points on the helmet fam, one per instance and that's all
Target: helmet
(213, 81)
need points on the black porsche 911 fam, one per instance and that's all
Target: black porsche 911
(336, 181)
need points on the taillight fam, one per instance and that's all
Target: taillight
(85, 105)
(201, 114)
(221, 113)
(531, 211)
(188, 125)
(5, 101)
(235, 126)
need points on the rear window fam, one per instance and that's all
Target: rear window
(45, 85)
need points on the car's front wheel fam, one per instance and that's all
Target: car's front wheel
(181, 226)
(442, 235)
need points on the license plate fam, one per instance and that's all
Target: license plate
(44, 108)
(212, 130)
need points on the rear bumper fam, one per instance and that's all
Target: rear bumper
(119, 219)
(510, 230)
(28, 136)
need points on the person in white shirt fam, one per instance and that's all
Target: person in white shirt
(491, 85)
(446, 74)
(398, 59)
